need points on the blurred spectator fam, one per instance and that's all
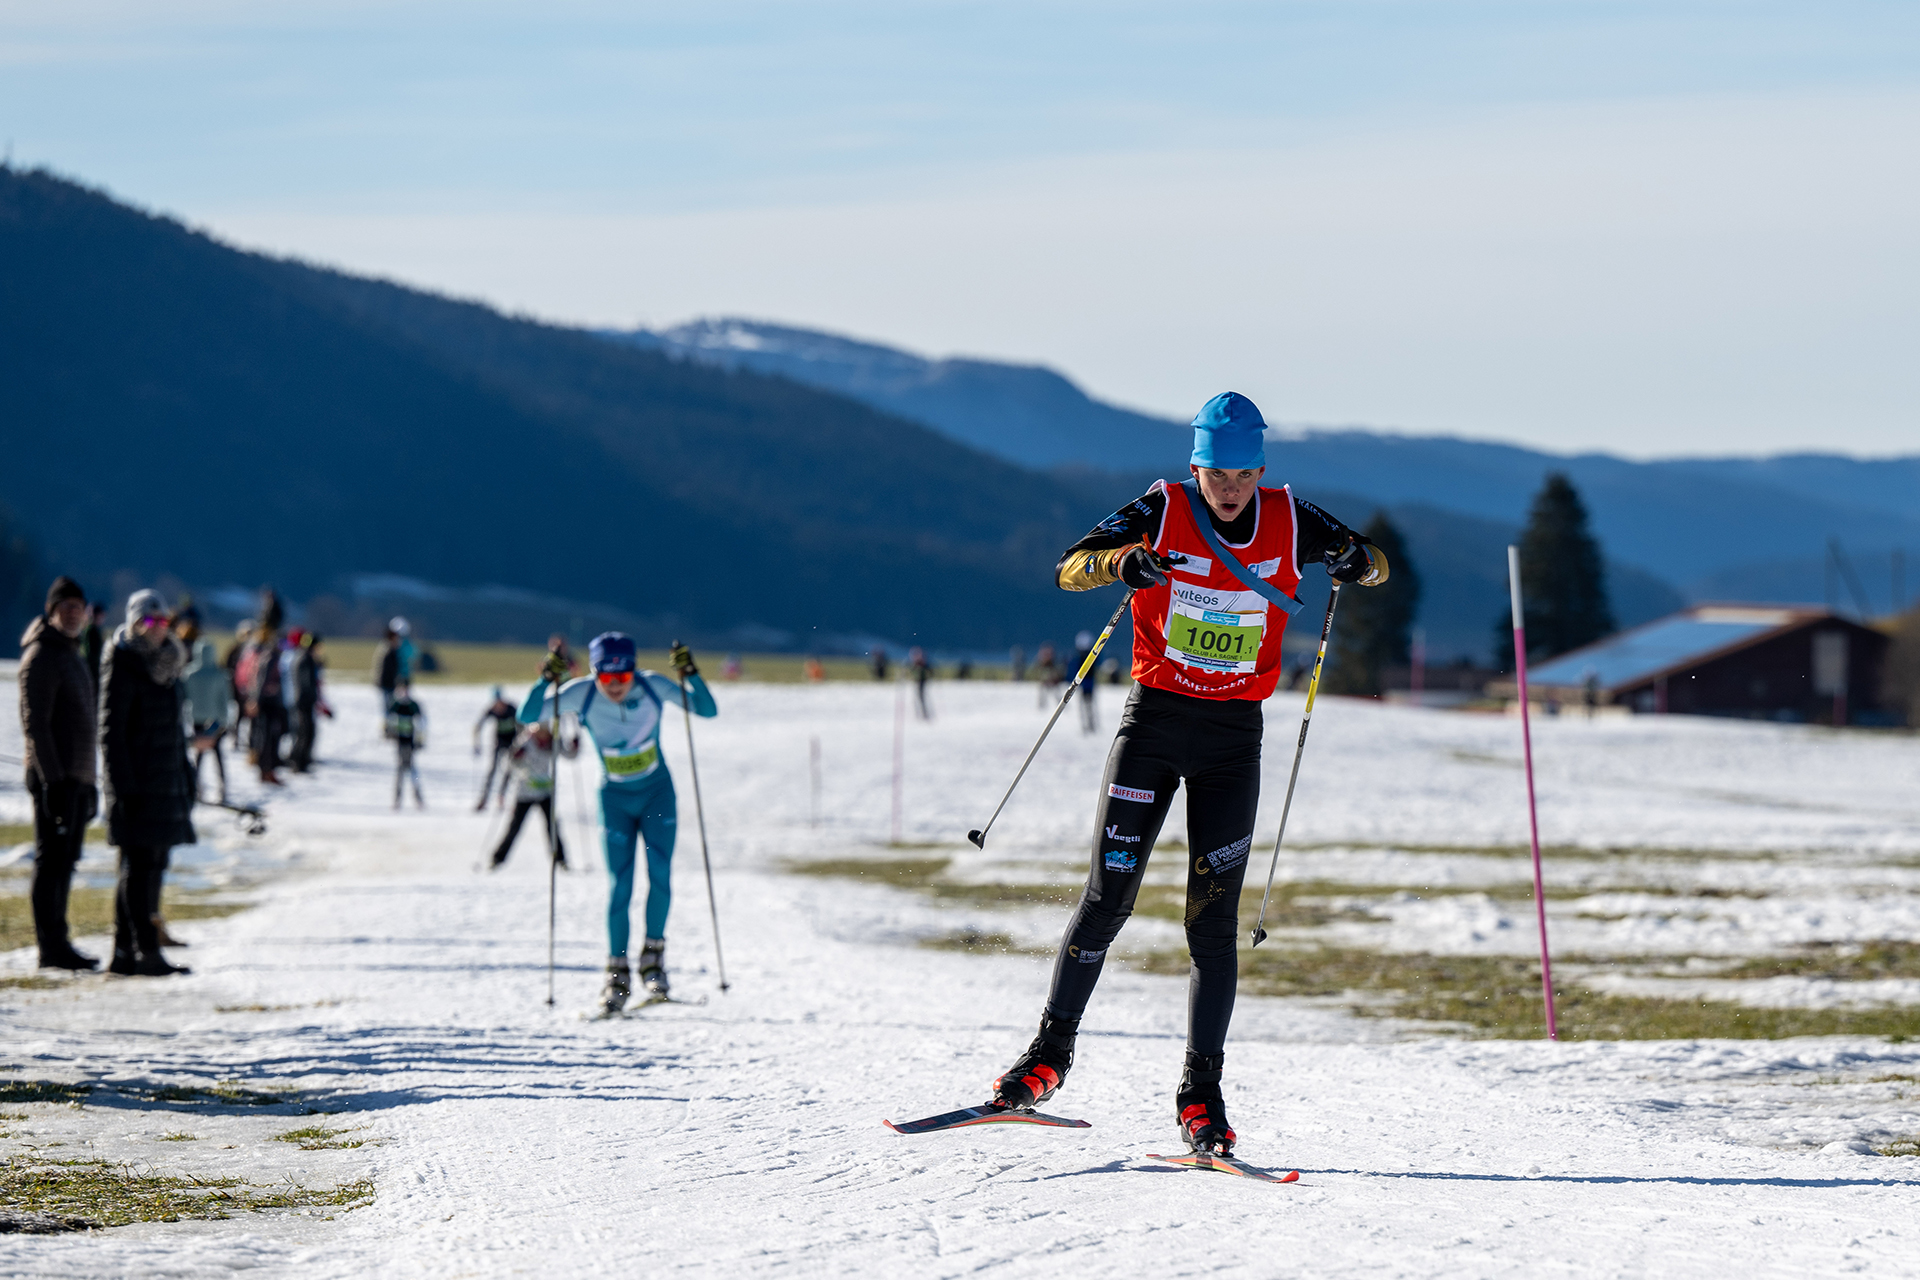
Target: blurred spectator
(921, 670)
(242, 722)
(815, 672)
(964, 671)
(387, 674)
(1046, 669)
(206, 690)
(57, 721)
(879, 659)
(1110, 670)
(264, 693)
(732, 669)
(532, 763)
(305, 675)
(1017, 663)
(149, 784)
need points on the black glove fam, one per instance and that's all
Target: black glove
(1360, 562)
(681, 660)
(1141, 569)
(554, 669)
(62, 799)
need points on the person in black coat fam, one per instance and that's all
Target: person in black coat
(57, 719)
(149, 781)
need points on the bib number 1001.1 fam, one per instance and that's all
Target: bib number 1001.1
(1217, 641)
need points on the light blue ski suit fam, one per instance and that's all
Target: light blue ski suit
(636, 794)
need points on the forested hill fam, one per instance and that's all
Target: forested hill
(175, 406)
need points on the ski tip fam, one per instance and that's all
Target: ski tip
(979, 839)
(1291, 1175)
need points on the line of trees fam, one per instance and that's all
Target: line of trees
(1563, 577)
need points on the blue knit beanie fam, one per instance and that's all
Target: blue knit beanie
(1228, 434)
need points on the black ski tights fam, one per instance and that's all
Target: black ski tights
(1215, 746)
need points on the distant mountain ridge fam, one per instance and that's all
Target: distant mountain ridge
(1755, 526)
(174, 406)
(1024, 413)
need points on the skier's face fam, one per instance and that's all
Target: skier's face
(1228, 492)
(615, 684)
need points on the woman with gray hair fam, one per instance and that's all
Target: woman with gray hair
(149, 783)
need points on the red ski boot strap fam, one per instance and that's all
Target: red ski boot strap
(1042, 1078)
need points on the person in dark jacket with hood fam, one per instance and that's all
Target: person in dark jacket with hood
(149, 791)
(57, 719)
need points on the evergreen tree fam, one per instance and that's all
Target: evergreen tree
(1373, 629)
(1563, 578)
(21, 591)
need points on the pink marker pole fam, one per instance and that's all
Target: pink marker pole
(1533, 814)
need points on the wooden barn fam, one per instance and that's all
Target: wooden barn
(1758, 661)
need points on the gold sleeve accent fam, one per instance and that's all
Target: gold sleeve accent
(1085, 570)
(1377, 567)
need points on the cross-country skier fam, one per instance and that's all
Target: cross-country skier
(621, 708)
(407, 726)
(530, 763)
(1206, 653)
(506, 724)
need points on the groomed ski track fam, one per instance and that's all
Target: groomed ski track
(745, 1137)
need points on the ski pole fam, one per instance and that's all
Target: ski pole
(979, 837)
(553, 840)
(706, 860)
(1533, 814)
(1306, 718)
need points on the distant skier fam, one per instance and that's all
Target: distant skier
(621, 708)
(393, 661)
(1082, 646)
(1206, 653)
(407, 726)
(922, 671)
(506, 724)
(530, 762)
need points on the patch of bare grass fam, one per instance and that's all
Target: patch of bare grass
(42, 1091)
(1498, 997)
(1861, 962)
(90, 911)
(105, 1194)
(319, 1138)
(981, 942)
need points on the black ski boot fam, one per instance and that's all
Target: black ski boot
(653, 968)
(613, 996)
(1042, 1069)
(1203, 1115)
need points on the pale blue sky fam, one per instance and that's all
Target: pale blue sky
(1652, 228)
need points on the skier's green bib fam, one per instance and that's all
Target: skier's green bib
(626, 766)
(1216, 639)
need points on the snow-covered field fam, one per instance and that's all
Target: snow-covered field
(381, 978)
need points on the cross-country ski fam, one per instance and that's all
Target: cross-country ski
(1215, 1162)
(967, 1117)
